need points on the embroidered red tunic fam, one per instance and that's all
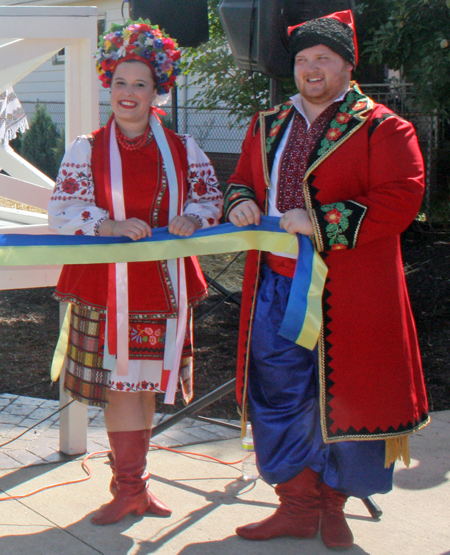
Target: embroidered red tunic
(363, 187)
(146, 198)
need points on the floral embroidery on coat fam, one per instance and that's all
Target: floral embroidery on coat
(337, 217)
(147, 334)
(354, 103)
(236, 194)
(276, 124)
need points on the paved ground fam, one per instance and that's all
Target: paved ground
(208, 499)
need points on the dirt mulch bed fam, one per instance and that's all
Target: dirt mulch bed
(29, 328)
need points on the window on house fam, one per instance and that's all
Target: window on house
(58, 58)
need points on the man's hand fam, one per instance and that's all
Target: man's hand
(133, 228)
(297, 221)
(245, 213)
(183, 225)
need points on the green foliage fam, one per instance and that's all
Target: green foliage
(16, 144)
(167, 121)
(412, 35)
(211, 67)
(59, 149)
(369, 16)
(416, 39)
(40, 142)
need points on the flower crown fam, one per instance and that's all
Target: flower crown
(139, 40)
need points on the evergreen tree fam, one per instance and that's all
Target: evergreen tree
(16, 144)
(40, 142)
(59, 149)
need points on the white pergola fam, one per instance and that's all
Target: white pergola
(29, 36)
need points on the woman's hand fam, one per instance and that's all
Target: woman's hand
(245, 213)
(133, 228)
(297, 221)
(183, 225)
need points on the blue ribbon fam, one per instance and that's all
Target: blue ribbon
(303, 319)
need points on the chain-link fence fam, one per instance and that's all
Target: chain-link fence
(217, 132)
(221, 135)
(214, 130)
(396, 96)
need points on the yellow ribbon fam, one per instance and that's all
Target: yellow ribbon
(50, 250)
(146, 249)
(61, 347)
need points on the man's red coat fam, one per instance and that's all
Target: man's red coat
(363, 187)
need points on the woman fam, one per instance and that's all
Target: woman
(123, 180)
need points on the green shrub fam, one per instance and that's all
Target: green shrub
(16, 144)
(59, 149)
(39, 143)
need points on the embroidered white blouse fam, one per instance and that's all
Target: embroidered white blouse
(73, 194)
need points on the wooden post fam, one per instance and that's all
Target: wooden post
(73, 419)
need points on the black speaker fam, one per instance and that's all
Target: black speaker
(184, 20)
(257, 30)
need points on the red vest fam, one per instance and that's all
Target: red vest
(146, 197)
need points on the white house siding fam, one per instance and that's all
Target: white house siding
(46, 84)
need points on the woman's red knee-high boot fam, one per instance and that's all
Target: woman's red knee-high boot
(129, 452)
(113, 484)
(155, 505)
(334, 530)
(298, 514)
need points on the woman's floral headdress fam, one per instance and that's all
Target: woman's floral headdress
(139, 40)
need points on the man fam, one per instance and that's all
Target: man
(329, 423)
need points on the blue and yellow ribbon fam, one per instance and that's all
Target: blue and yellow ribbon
(31, 250)
(304, 317)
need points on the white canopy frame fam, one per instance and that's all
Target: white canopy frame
(30, 35)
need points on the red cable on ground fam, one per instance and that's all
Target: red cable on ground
(43, 488)
(195, 455)
(86, 468)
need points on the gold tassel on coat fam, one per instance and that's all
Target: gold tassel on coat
(397, 449)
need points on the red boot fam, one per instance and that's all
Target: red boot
(113, 484)
(129, 451)
(155, 506)
(298, 514)
(334, 530)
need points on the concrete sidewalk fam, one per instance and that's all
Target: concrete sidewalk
(208, 499)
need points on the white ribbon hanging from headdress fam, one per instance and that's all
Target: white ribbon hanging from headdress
(175, 327)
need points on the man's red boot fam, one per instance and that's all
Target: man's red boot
(298, 514)
(334, 530)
